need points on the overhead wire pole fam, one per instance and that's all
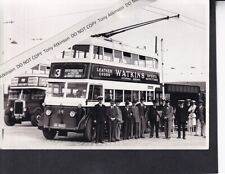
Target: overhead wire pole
(162, 59)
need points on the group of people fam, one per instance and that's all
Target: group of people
(131, 121)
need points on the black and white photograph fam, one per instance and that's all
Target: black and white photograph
(128, 74)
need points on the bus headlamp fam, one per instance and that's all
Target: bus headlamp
(48, 112)
(11, 109)
(72, 113)
(25, 109)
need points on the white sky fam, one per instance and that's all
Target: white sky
(186, 45)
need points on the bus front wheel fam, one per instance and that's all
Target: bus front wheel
(34, 118)
(90, 131)
(9, 121)
(49, 134)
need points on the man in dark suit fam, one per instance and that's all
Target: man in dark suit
(142, 109)
(200, 113)
(100, 117)
(127, 116)
(181, 118)
(111, 114)
(153, 118)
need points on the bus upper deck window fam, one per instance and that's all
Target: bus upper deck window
(98, 52)
(108, 54)
(127, 57)
(142, 61)
(81, 51)
(117, 56)
(155, 62)
(149, 62)
(134, 59)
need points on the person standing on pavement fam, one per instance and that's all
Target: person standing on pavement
(142, 109)
(200, 116)
(135, 113)
(127, 114)
(153, 119)
(181, 118)
(187, 106)
(111, 114)
(100, 117)
(119, 121)
(192, 115)
(161, 118)
(168, 119)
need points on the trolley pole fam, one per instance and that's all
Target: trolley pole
(162, 59)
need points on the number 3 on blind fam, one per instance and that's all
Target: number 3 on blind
(57, 72)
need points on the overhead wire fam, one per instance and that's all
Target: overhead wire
(163, 14)
(173, 12)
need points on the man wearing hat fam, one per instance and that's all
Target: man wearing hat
(111, 114)
(200, 116)
(168, 118)
(181, 118)
(153, 118)
(100, 117)
(142, 109)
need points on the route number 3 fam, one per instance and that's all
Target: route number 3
(57, 72)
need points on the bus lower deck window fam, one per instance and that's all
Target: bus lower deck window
(127, 95)
(143, 95)
(119, 95)
(135, 95)
(109, 95)
(76, 90)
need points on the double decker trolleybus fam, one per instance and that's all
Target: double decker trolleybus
(26, 95)
(95, 67)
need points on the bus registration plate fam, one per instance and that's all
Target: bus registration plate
(59, 125)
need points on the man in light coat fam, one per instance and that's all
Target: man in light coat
(119, 120)
(168, 118)
(136, 117)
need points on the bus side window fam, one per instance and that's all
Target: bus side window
(142, 61)
(118, 56)
(98, 52)
(127, 95)
(149, 96)
(109, 93)
(94, 92)
(127, 57)
(135, 95)
(143, 95)
(108, 54)
(119, 95)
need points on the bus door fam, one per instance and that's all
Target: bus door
(94, 92)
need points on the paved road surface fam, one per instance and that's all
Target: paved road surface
(25, 136)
